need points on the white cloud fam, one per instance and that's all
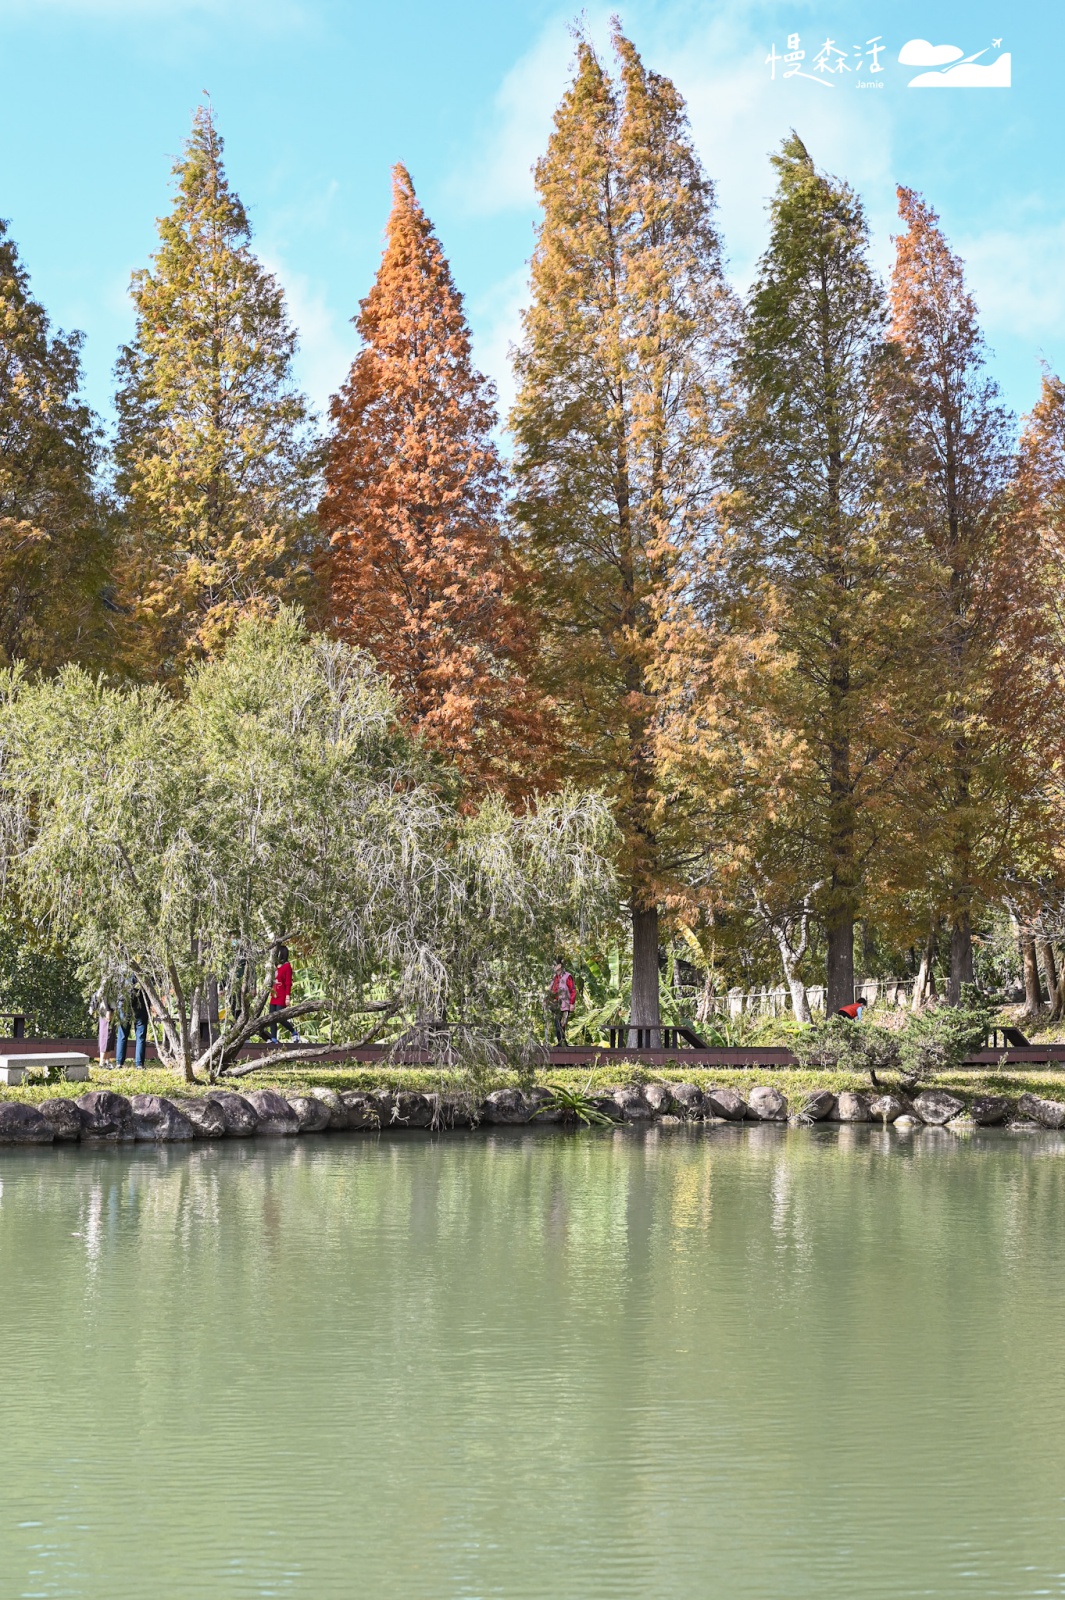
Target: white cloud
(739, 115)
(919, 53)
(327, 342)
(519, 125)
(495, 318)
(1015, 277)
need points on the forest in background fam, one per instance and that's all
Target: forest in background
(778, 575)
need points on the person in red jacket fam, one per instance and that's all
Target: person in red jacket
(563, 992)
(853, 1011)
(282, 993)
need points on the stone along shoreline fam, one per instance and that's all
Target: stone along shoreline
(102, 1117)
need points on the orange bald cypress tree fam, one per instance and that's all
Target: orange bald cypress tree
(421, 573)
(971, 791)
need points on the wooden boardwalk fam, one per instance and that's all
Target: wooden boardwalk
(586, 1056)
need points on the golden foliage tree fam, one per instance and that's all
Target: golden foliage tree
(216, 463)
(620, 376)
(421, 572)
(969, 794)
(54, 529)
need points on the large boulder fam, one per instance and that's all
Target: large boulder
(936, 1107)
(889, 1107)
(23, 1124)
(363, 1110)
(411, 1110)
(205, 1117)
(726, 1103)
(607, 1105)
(276, 1117)
(240, 1116)
(766, 1105)
(988, 1110)
(312, 1114)
(105, 1117)
(1048, 1113)
(852, 1106)
(336, 1110)
(159, 1119)
(504, 1106)
(634, 1104)
(459, 1111)
(63, 1117)
(542, 1106)
(385, 1101)
(686, 1099)
(818, 1105)
(659, 1099)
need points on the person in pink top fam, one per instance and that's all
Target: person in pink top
(282, 993)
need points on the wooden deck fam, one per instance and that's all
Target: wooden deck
(587, 1056)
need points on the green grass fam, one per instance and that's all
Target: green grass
(792, 1082)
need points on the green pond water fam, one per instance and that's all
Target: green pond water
(536, 1364)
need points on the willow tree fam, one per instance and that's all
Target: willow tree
(421, 571)
(810, 581)
(54, 527)
(619, 392)
(176, 841)
(215, 463)
(973, 786)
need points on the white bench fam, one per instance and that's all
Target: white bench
(14, 1068)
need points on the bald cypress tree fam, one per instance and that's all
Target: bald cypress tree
(54, 528)
(972, 787)
(619, 391)
(813, 575)
(421, 572)
(216, 461)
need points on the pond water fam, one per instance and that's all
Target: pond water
(746, 1363)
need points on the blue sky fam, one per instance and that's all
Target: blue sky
(317, 98)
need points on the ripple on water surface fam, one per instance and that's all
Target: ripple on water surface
(748, 1363)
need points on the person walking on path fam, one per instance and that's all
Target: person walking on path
(563, 992)
(101, 1005)
(132, 1010)
(282, 994)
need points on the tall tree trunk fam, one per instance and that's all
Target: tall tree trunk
(800, 1003)
(840, 965)
(645, 1012)
(961, 957)
(924, 985)
(1033, 999)
(1053, 980)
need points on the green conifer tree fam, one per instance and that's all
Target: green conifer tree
(216, 463)
(812, 580)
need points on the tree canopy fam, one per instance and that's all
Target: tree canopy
(421, 572)
(216, 460)
(178, 842)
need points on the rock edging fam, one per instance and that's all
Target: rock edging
(102, 1117)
